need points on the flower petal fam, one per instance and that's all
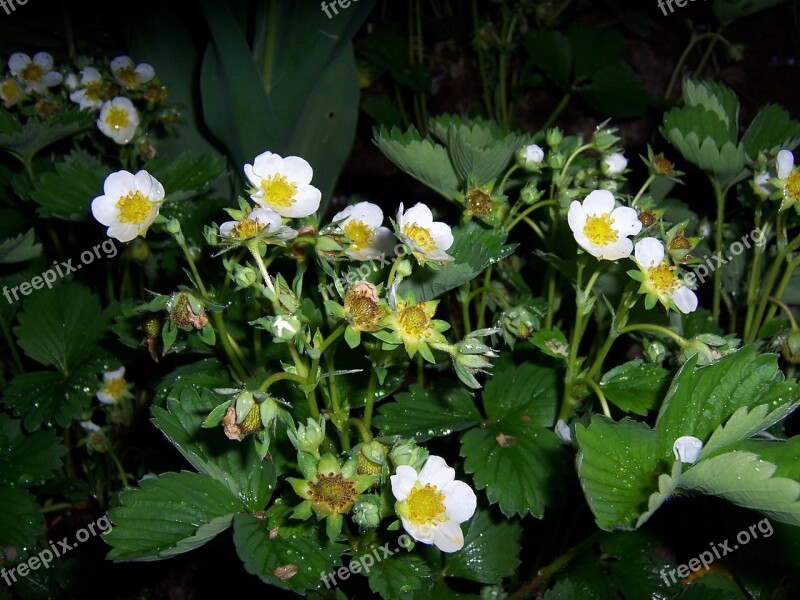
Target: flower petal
(403, 481)
(17, 62)
(227, 228)
(622, 248)
(442, 235)
(436, 472)
(448, 537)
(459, 501)
(145, 72)
(124, 232)
(52, 78)
(785, 162)
(420, 214)
(626, 221)
(109, 375)
(598, 203)
(576, 217)
(649, 252)
(105, 211)
(297, 169)
(121, 62)
(421, 533)
(44, 60)
(118, 184)
(371, 214)
(685, 299)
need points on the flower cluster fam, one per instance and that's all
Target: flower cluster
(113, 90)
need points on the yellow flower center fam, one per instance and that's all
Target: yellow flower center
(425, 505)
(413, 321)
(333, 493)
(115, 387)
(792, 187)
(365, 312)
(92, 90)
(599, 230)
(32, 73)
(420, 235)
(9, 90)
(134, 208)
(662, 278)
(127, 77)
(279, 191)
(246, 228)
(117, 118)
(360, 234)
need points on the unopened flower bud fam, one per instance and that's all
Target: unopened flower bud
(366, 511)
(614, 164)
(554, 137)
(244, 275)
(173, 226)
(687, 449)
(408, 453)
(308, 438)
(530, 157)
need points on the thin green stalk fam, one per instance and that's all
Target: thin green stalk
(627, 302)
(716, 37)
(262, 267)
(120, 470)
(642, 190)
(501, 188)
(12, 347)
(599, 392)
(754, 278)
(766, 291)
(366, 436)
(528, 211)
(718, 228)
(487, 280)
(656, 329)
(784, 283)
(275, 377)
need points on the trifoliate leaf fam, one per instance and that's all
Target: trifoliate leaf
(424, 413)
(772, 130)
(700, 400)
(635, 386)
(617, 465)
(491, 550)
(518, 463)
(474, 248)
(67, 192)
(169, 515)
(526, 391)
(19, 248)
(423, 159)
(49, 398)
(397, 577)
(61, 326)
(35, 135)
(744, 479)
(27, 460)
(292, 559)
(20, 519)
(237, 465)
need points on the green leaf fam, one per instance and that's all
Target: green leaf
(424, 413)
(491, 550)
(552, 342)
(61, 326)
(772, 130)
(397, 577)
(20, 519)
(527, 392)
(518, 463)
(169, 515)
(237, 465)
(423, 159)
(27, 460)
(617, 465)
(19, 248)
(186, 175)
(635, 386)
(68, 191)
(25, 142)
(594, 49)
(474, 248)
(728, 11)
(745, 480)
(700, 400)
(783, 454)
(743, 424)
(49, 398)
(272, 558)
(550, 51)
(208, 373)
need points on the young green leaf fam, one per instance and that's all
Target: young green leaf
(635, 386)
(491, 550)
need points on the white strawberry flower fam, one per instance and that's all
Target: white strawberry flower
(89, 96)
(660, 281)
(431, 504)
(36, 75)
(530, 157)
(131, 76)
(614, 164)
(425, 238)
(115, 387)
(10, 92)
(601, 229)
(118, 119)
(788, 180)
(283, 185)
(362, 224)
(129, 205)
(687, 449)
(257, 221)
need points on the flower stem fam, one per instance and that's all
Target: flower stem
(366, 436)
(369, 400)
(275, 377)
(655, 328)
(642, 190)
(720, 197)
(528, 211)
(262, 267)
(556, 112)
(12, 347)
(599, 392)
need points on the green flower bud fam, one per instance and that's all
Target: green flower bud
(530, 194)
(530, 157)
(308, 437)
(404, 268)
(367, 511)
(245, 276)
(554, 137)
(408, 453)
(655, 352)
(174, 226)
